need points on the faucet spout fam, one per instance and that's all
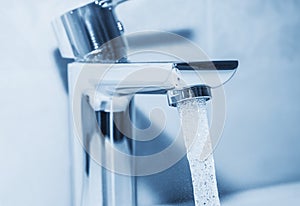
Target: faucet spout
(180, 80)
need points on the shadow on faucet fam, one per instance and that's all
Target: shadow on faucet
(62, 68)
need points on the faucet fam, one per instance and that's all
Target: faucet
(110, 155)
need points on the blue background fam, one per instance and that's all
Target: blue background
(261, 139)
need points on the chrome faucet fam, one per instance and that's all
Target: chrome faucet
(107, 144)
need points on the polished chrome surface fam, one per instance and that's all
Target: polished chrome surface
(132, 78)
(90, 28)
(99, 185)
(194, 92)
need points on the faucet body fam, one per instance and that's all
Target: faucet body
(109, 135)
(119, 156)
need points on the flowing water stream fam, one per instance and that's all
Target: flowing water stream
(193, 114)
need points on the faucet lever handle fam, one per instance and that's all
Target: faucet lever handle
(84, 30)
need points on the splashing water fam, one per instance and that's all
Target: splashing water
(195, 128)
